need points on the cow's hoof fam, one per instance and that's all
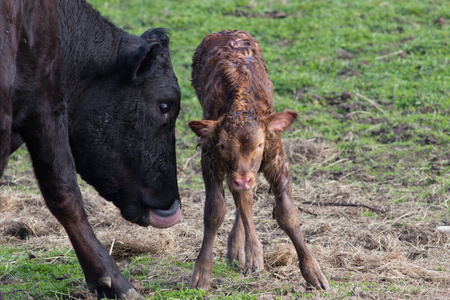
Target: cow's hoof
(132, 294)
(121, 289)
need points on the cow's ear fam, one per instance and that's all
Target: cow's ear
(141, 61)
(281, 121)
(203, 128)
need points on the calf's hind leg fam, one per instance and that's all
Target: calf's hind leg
(278, 174)
(236, 242)
(214, 215)
(254, 260)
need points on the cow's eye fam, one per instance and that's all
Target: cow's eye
(164, 108)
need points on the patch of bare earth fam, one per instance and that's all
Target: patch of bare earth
(377, 248)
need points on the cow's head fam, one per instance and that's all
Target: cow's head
(240, 141)
(122, 132)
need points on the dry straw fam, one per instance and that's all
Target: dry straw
(399, 248)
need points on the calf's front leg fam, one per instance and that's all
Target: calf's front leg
(279, 176)
(254, 260)
(214, 215)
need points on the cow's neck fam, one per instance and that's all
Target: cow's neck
(89, 46)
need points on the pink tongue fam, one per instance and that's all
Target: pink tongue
(166, 221)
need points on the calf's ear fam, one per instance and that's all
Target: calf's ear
(140, 61)
(203, 128)
(281, 121)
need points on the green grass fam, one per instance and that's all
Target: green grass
(370, 77)
(29, 273)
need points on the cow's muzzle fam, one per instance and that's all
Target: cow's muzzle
(160, 218)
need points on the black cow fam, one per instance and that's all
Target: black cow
(86, 96)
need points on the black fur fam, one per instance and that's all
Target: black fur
(85, 96)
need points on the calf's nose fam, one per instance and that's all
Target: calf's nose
(242, 183)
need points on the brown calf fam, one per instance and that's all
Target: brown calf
(239, 137)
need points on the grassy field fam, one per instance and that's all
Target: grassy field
(370, 158)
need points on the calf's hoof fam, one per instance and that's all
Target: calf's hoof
(314, 276)
(236, 257)
(200, 280)
(254, 259)
(201, 276)
(236, 248)
(254, 268)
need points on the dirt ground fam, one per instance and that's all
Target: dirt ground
(385, 246)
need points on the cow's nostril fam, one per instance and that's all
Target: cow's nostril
(144, 221)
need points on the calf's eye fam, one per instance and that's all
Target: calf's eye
(164, 108)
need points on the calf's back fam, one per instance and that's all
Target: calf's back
(229, 74)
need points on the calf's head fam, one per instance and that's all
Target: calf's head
(239, 141)
(122, 133)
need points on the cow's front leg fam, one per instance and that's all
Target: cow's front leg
(236, 242)
(278, 174)
(254, 260)
(8, 70)
(214, 215)
(46, 137)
